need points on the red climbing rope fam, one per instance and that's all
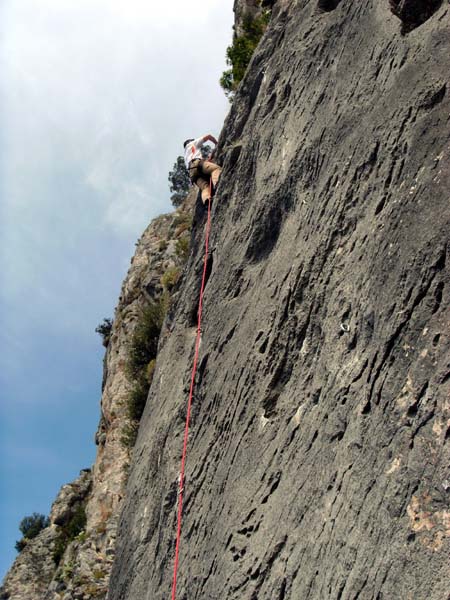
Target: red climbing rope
(189, 404)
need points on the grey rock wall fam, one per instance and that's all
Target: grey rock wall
(319, 443)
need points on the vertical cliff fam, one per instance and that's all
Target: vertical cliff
(319, 441)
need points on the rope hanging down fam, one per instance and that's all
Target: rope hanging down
(189, 404)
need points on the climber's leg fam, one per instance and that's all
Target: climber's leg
(211, 169)
(203, 185)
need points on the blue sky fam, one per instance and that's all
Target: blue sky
(96, 97)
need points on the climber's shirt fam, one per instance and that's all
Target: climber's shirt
(193, 151)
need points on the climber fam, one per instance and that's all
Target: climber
(201, 170)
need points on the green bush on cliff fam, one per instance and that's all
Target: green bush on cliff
(163, 245)
(170, 278)
(68, 532)
(144, 341)
(241, 51)
(182, 248)
(104, 330)
(20, 544)
(182, 223)
(129, 434)
(141, 363)
(30, 527)
(137, 398)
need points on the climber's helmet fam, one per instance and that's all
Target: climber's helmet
(187, 142)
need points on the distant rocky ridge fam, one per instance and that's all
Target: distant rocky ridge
(32, 575)
(83, 572)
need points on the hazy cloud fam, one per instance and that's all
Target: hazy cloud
(96, 96)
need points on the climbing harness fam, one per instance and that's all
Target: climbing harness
(194, 169)
(191, 394)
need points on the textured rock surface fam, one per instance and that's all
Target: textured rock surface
(248, 8)
(85, 567)
(319, 443)
(32, 572)
(243, 8)
(33, 569)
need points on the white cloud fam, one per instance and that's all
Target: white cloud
(124, 211)
(96, 98)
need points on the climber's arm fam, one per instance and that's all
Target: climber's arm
(210, 138)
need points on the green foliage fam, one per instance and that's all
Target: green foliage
(76, 523)
(144, 342)
(179, 182)
(82, 537)
(137, 398)
(30, 527)
(170, 278)
(104, 329)
(227, 82)
(20, 544)
(182, 223)
(68, 532)
(181, 226)
(205, 150)
(98, 574)
(182, 248)
(141, 363)
(150, 370)
(129, 434)
(59, 549)
(240, 52)
(163, 245)
(67, 571)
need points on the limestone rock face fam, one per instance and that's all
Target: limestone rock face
(243, 8)
(33, 570)
(319, 444)
(70, 495)
(249, 8)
